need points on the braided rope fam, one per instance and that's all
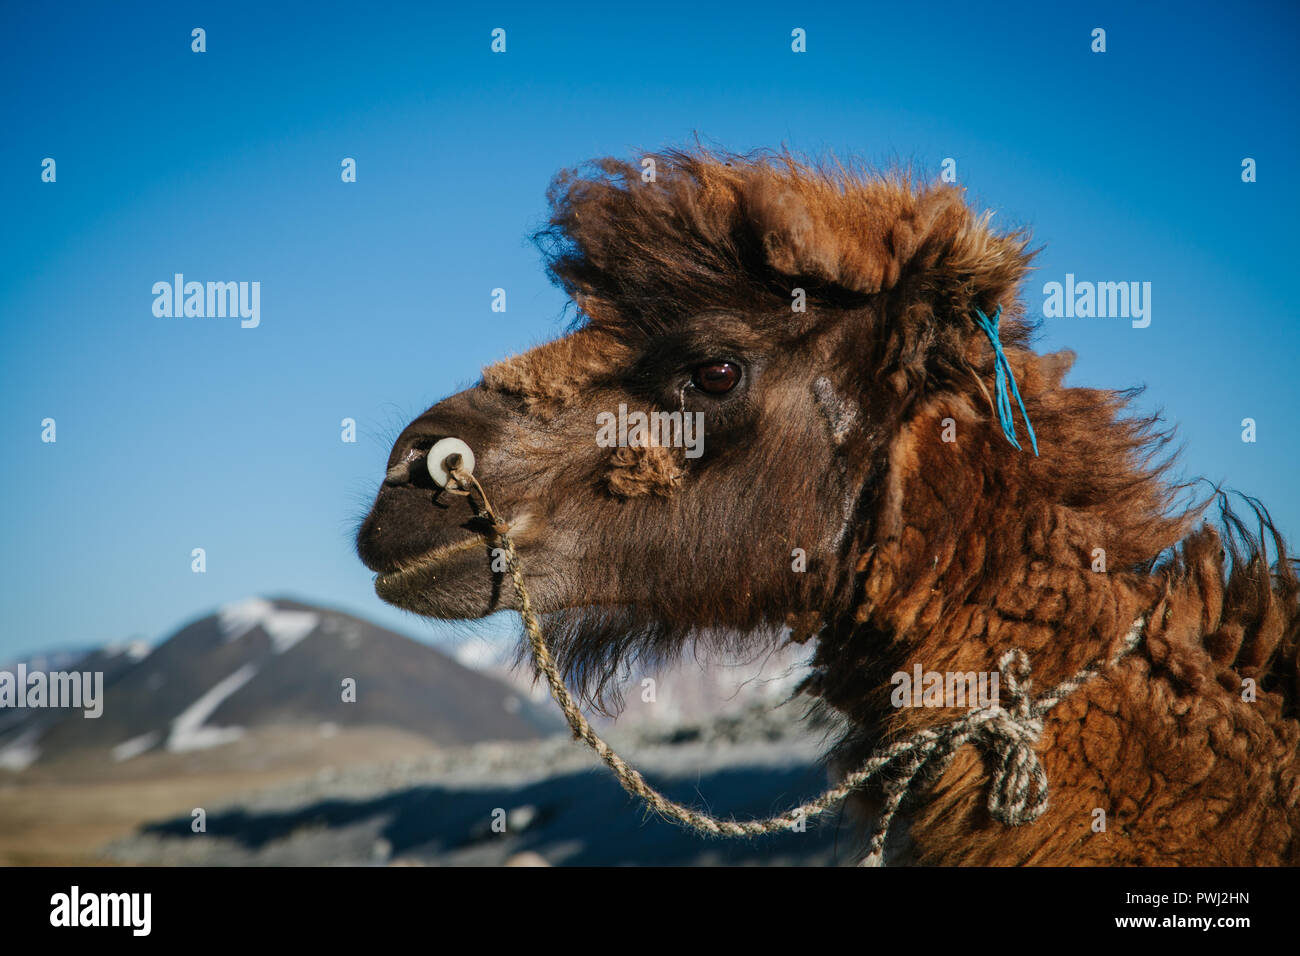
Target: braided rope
(1017, 795)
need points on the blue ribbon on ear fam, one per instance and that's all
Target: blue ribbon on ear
(1004, 375)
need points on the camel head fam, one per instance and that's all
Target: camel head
(708, 452)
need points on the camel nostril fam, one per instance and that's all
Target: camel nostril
(401, 471)
(440, 460)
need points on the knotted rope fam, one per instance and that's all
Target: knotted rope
(1017, 795)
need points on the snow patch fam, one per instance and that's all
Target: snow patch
(690, 690)
(188, 732)
(21, 752)
(136, 746)
(132, 650)
(285, 628)
(484, 654)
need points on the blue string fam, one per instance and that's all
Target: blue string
(1004, 374)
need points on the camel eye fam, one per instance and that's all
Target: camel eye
(716, 378)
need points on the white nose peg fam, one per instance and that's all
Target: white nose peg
(441, 451)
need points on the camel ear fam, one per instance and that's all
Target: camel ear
(876, 235)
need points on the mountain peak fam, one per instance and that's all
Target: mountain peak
(284, 627)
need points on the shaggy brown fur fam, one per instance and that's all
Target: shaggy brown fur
(919, 551)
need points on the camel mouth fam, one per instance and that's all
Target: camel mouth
(421, 569)
(455, 581)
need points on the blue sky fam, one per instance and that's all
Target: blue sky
(375, 296)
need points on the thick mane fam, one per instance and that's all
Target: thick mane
(963, 521)
(1251, 618)
(719, 230)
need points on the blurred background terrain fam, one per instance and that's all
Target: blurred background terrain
(241, 713)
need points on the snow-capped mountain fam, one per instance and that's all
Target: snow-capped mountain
(266, 663)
